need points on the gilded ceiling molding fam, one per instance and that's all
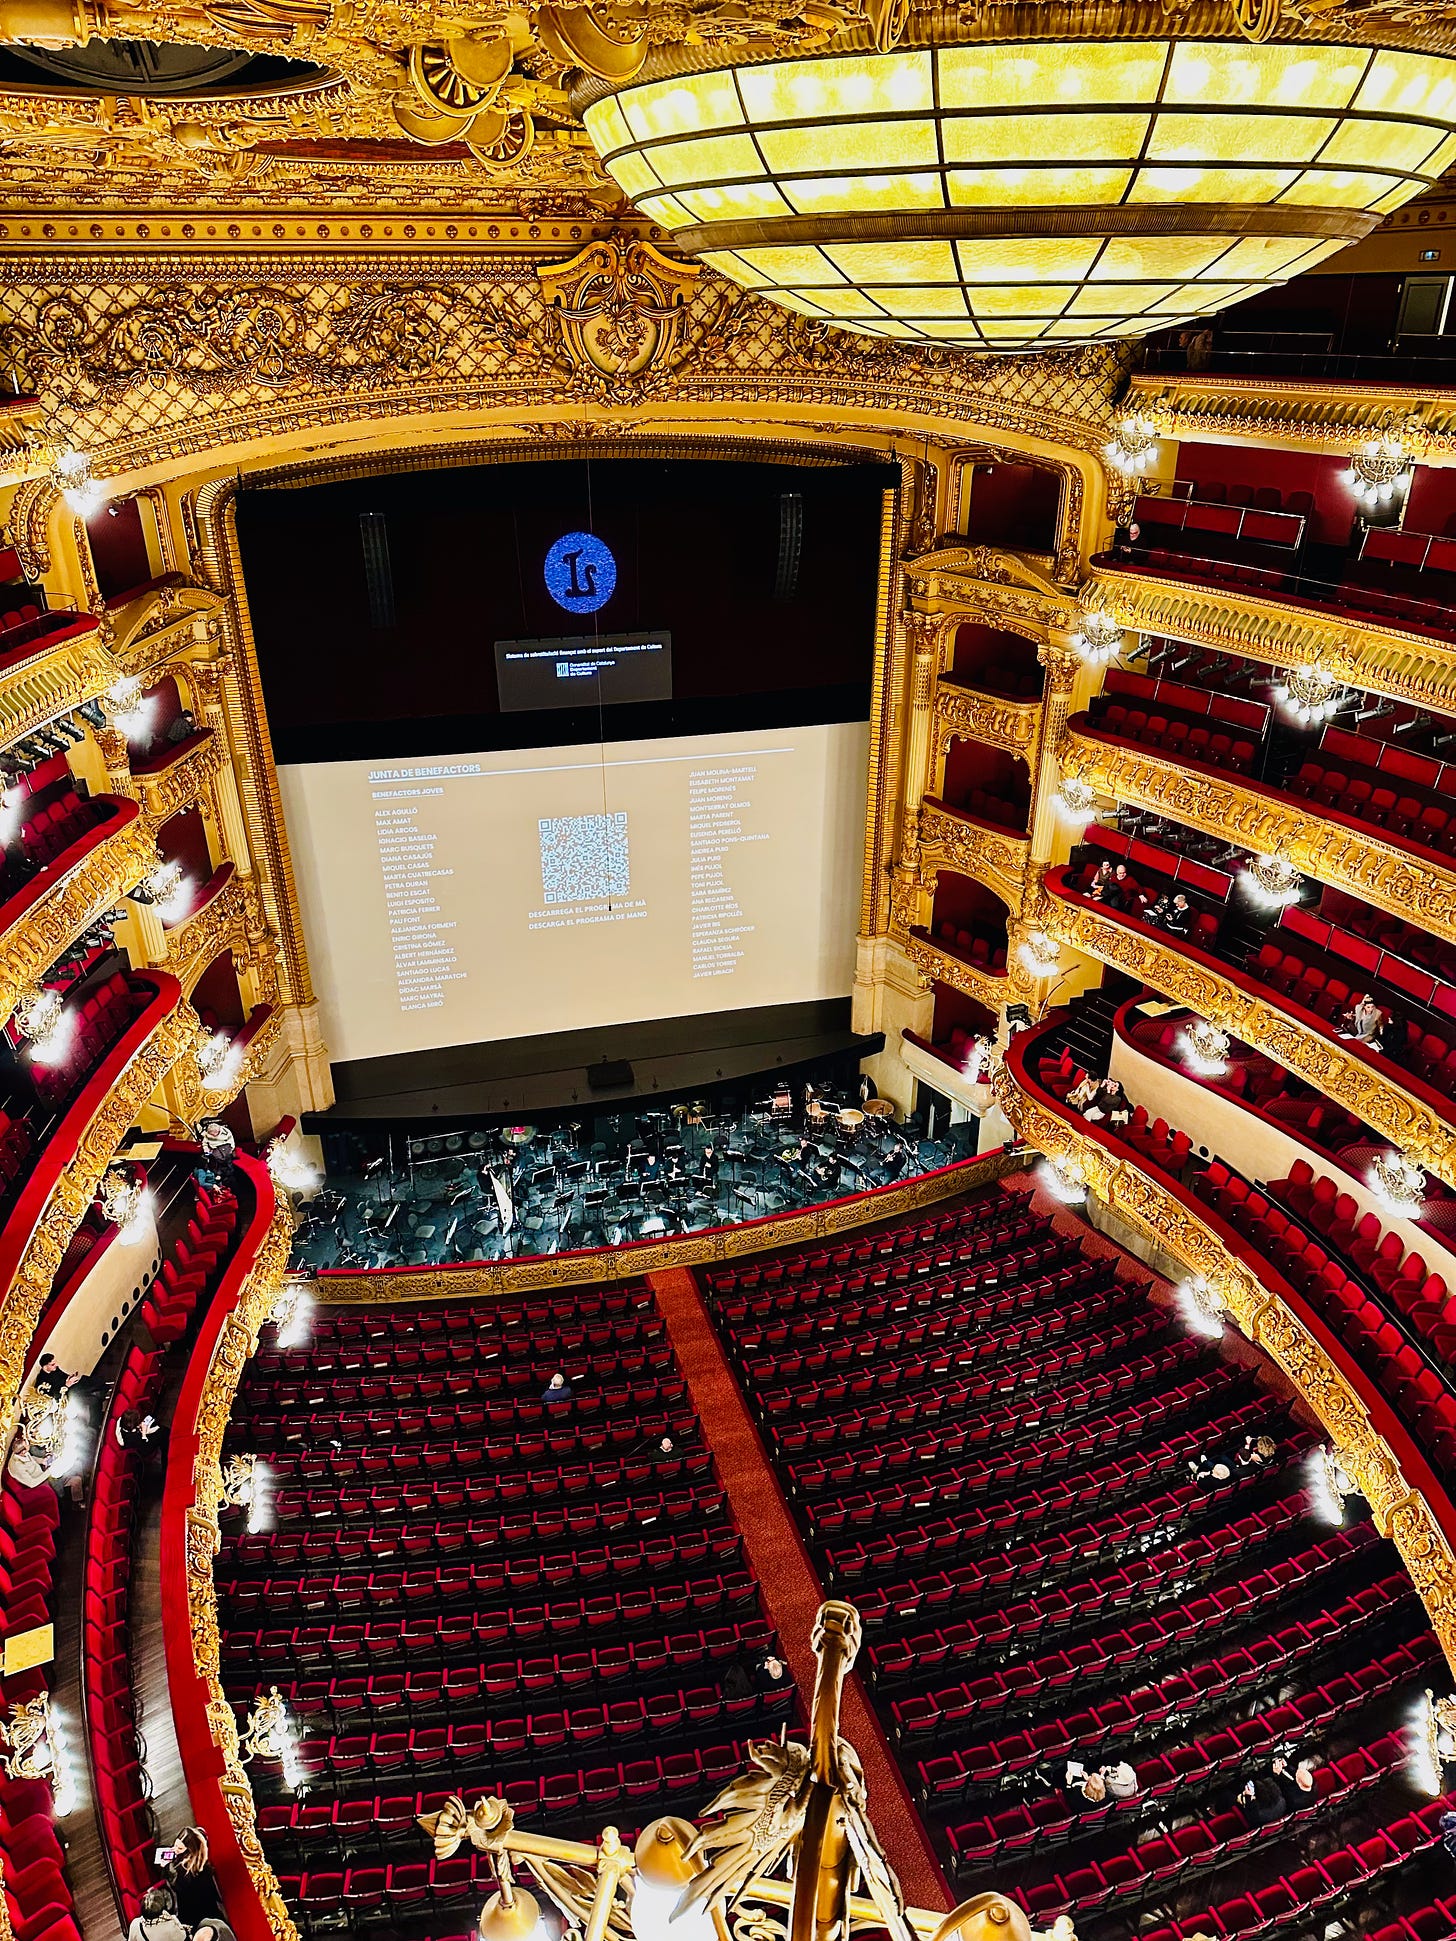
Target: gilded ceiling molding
(949, 840)
(220, 359)
(607, 1266)
(71, 904)
(1344, 859)
(962, 711)
(1371, 1095)
(1300, 414)
(1170, 1221)
(1236, 620)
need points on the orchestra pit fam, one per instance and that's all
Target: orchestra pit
(727, 970)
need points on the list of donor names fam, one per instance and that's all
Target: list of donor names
(718, 799)
(425, 959)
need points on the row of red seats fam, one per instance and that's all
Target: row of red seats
(1064, 1401)
(1430, 1055)
(1141, 897)
(122, 1789)
(1226, 572)
(1415, 1380)
(389, 1699)
(872, 1362)
(284, 1439)
(417, 1325)
(613, 1399)
(1315, 1889)
(1182, 739)
(37, 1896)
(1183, 1694)
(1167, 1781)
(501, 1468)
(444, 1656)
(314, 1507)
(192, 1266)
(1414, 815)
(954, 1481)
(984, 948)
(988, 806)
(383, 1529)
(888, 1243)
(334, 1389)
(1024, 1569)
(54, 827)
(95, 1023)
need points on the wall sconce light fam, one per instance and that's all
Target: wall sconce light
(1063, 1179)
(39, 1012)
(1274, 881)
(1075, 802)
(1399, 1185)
(1133, 446)
(1098, 639)
(1202, 1306)
(1310, 694)
(1040, 954)
(1381, 471)
(1205, 1049)
(71, 475)
(124, 707)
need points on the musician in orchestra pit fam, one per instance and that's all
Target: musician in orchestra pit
(710, 1167)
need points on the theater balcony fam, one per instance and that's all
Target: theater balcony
(1227, 968)
(1365, 808)
(963, 947)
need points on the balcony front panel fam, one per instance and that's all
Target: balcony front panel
(991, 988)
(53, 676)
(65, 898)
(992, 718)
(178, 780)
(1423, 1125)
(1233, 619)
(1293, 413)
(68, 1168)
(980, 850)
(1338, 851)
(1376, 1449)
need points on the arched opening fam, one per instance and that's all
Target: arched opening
(988, 784)
(996, 661)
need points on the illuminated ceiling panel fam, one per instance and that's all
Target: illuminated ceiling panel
(1037, 193)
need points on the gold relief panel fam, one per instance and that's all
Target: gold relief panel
(1389, 877)
(984, 583)
(194, 943)
(58, 679)
(944, 967)
(182, 781)
(1237, 620)
(1339, 1074)
(952, 841)
(159, 624)
(1170, 1221)
(968, 711)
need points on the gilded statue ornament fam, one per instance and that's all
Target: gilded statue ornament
(28, 1753)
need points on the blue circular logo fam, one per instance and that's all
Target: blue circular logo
(581, 574)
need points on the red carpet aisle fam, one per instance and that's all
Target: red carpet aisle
(791, 1590)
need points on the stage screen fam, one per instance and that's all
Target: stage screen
(475, 898)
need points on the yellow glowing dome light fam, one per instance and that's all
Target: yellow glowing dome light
(1029, 194)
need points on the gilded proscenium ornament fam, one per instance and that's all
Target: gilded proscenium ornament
(1361, 652)
(30, 1283)
(619, 306)
(1370, 1094)
(1360, 862)
(71, 904)
(1173, 1220)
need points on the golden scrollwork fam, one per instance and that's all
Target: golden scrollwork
(619, 307)
(1362, 651)
(944, 967)
(985, 583)
(1358, 861)
(165, 790)
(52, 681)
(968, 711)
(158, 624)
(949, 840)
(71, 904)
(1411, 1124)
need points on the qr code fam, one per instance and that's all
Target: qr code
(583, 857)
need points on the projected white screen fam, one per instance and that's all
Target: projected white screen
(450, 901)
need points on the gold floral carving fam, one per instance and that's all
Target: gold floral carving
(56, 680)
(1173, 1222)
(944, 967)
(29, 525)
(1372, 1096)
(22, 1301)
(168, 789)
(158, 624)
(956, 842)
(968, 711)
(684, 1250)
(1235, 619)
(984, 583)
(219, 924)
(71, 904)
(619, 307)
(1387, 876)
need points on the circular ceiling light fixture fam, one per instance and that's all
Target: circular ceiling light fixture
(1027, 194)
